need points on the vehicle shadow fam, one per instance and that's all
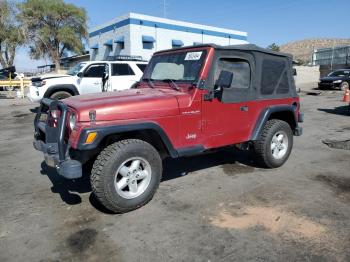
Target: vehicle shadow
(34, 110)
(66, 187)
(69, 190)
(174, 168)
(339, 110)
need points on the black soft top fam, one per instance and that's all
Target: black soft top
(243, 47)
(270, 72)
(251, 47)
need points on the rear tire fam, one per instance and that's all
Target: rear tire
(126, 175)
(60, 95)
(9, 88)
(275, 143)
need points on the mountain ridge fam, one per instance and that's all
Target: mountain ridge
(302, 49)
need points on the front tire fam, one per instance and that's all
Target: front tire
(126, 175)
(274, 144)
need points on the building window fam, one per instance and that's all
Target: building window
(120, 42)
(121, 45)
(147, 45)
(148, 42)
(176, 43)
(109, 45)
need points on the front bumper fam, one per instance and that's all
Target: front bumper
(50, 141)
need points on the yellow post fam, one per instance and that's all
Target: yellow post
(10, 81)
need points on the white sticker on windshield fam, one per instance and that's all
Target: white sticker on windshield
(193, 56)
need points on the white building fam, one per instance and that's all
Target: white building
(142, 35)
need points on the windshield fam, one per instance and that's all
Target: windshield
(76, 69)
(179, 66)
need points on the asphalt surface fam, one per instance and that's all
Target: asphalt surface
(215, 207)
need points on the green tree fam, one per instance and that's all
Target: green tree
(11, 35)
(53, 28)
(274, 47)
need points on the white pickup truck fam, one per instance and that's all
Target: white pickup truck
(86, 77)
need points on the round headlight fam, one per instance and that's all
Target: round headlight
(72, 121)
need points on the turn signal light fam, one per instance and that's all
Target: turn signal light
(90, 138)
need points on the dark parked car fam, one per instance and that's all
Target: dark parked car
(337, 79)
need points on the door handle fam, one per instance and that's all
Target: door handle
(96, 83)
(244, 108)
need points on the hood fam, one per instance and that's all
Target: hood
(48, 76)
(127, 104)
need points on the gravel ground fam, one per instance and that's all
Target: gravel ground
(215, 207)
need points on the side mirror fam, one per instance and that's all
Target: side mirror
(224, 80)
(294, 72)
(80, 74)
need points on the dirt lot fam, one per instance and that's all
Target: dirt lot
(216, 207)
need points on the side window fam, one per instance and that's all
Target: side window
(240, 69)
(238, 73)
(341, 73)
(95, 71)
(272, 71)
(121, 70)
(142, 67)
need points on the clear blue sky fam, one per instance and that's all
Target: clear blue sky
(266, 21)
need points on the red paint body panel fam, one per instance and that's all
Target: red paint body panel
(226, 124)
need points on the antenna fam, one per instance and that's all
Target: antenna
(164, 8)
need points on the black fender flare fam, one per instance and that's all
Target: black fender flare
(267, 112)
(64, 87)
(104, 131)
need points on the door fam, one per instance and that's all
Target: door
(91, 81)
(226, 113)
(122, 76)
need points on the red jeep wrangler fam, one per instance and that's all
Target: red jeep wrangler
(189, 100)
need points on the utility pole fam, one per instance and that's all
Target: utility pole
(332, 55)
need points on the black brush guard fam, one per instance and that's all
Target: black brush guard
(51, 140)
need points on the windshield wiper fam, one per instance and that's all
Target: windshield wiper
(171, 83)
(149, 81)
